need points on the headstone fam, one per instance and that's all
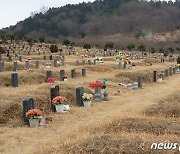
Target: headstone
(83, 62)
(20, 58)
(48, 74)
(44, 57)
(154, 76)
(120, 65)
(83, 72)
(174, 70)
(10, 58)
(0, 57)
(94, 61)
(27, 65)
(73, 73)
(1, 66)
(124, 65)
(29, 52)
(89, 62)
(15, 68)
(50, 57)
(54, 92)
(77, 62)
(98, 94)
(130, 86)
(55, 63)
(79, 94)
(37, 64)
(28, 104)
(62, 73)
(62, 62)
(170, 71)
(14, 80)
(166, 73)
(139, 80)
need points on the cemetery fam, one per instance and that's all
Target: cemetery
(78, 101)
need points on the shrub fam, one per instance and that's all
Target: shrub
(2, 50)
(87, 46)
(53, 48)
(178, 60)
(66, 42)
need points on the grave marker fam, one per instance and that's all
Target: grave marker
(48, 74)
(62, 73)
(54, 92)
(28, 104)
(154, 76)
(79, 94)
(73, 73)
(27, 65)
(139, 80)
(1, 66)
(14, 80)
(83, 72)
(15, 68)
(37, 64)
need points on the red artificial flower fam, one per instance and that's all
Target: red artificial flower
(33, 112)
(50, 80)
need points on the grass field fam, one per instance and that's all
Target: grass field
(128, 123)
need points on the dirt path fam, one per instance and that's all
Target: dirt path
(78, 124)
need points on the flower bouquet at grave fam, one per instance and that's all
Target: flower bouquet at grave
(34, 116)
(65, 78)
(133, 64)
(50, 80)
(97, 84)
(61, 104)
(178, 66)
(160, 75)
(148, 64)
(48, 65)
(87, 99)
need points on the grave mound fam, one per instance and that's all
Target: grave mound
(169, 107)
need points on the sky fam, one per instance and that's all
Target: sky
(13, 11)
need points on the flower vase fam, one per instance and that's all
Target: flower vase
(34, 122)
(87, 103)
(65, 79)
(60, 108)
(105, 96)
(160, 80)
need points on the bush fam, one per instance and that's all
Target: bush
(66, 42)
(53, 48)
(2, 50)
(109, 45)
(178, 60)
(87, 46)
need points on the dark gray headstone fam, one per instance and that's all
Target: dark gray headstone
(62, 73)
(83, 72)
(20, 58)
(77, 62)
(49, 74)
(120, 65)
(37, 64)
(15, 68)
(1, 66)
(62, 62)
(14, 80)
(27, 65)
(50, 57)
(44, 57)
(54, 92)
(166, 73)
(170, 71)
(154, 76)
(55, 63)
(89, 62)
(0, 57)
(124, 65)
(28, 104)
(83, 62)
(73, 73)
(174, 70)
(139, 80)
(10, 58)
(94, 61)
(79, 94)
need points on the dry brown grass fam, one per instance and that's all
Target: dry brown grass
(118, 126)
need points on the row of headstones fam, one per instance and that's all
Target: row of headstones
(124, 66)
(15, 81)
(167, 72)
(84, 62)
(27, 65)
(28, 103)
